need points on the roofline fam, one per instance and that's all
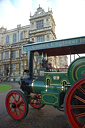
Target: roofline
(54, 41)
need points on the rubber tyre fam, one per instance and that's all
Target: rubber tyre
(74, 104)
(16, 105)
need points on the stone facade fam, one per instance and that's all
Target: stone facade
(47, 28)
(13, 61)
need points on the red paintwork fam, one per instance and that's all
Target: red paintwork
(20, 105)
(68, 107)
(83, 74)
(34, 102)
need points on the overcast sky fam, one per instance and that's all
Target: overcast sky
(69, 15)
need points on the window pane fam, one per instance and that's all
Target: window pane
(7, 55)
(20, 53)
(21, 36)
(1, 56)
(1, 68)
(40, 38)
(20, 66)
(13, 67)
(14, 54)
(14, 37)
(39, 24)
(7, 39)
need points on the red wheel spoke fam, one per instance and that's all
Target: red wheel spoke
(22, 104)
(10, 101)
(20, 110)
(77, 106)
(18, 98)
(82, 90)
(35, 101)
(79, 115)
(79, 98)
(16, 104)
(10, 108)
(14, 97)
(15, 111)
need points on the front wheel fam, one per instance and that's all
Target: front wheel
(74, 104)
(16, 104)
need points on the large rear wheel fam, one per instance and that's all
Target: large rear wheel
(74, 104)
(16, 104)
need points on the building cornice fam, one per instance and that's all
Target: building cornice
(16, 29)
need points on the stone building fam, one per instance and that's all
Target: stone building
(13, 61)
(42, 26)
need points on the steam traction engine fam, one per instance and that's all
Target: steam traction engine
(49, 87)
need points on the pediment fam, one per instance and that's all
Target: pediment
(39, 12)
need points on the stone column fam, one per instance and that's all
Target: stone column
(22, 67)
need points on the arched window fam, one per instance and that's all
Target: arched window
(7, 39)
(14, 37)
(21, 36)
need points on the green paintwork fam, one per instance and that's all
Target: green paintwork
(76, 70)
(54, 44)
(41, 85)
(38, 86)
(53, 77)
(53, 91)
(52, 94)
(52, 97)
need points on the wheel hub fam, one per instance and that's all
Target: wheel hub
(13, 105)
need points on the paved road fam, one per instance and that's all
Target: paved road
(47, 117)
(3, 97)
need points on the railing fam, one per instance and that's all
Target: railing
(58, 69)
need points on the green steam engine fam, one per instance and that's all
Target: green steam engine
(47, 86)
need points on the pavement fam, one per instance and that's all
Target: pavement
(47, 117)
